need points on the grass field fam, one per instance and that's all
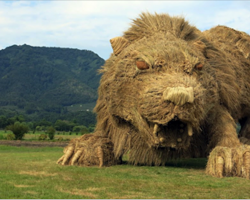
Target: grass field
(27, 172)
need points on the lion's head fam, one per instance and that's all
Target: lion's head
(159, 84)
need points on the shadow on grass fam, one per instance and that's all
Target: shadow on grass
(191, 163)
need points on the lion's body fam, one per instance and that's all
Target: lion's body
(170, 90)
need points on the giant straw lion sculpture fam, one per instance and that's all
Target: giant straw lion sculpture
(171, 91)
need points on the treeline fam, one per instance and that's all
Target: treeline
(71, 122)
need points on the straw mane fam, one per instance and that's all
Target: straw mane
(148, 24)
(170, 90)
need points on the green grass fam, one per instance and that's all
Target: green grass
(27, 172)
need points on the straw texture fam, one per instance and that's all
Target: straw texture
(170, 91)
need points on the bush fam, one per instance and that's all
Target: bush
(77, 129)
(63, 125)
(38, 128)
(91, 129)
(18, 129)
(10, 136)
(81, 129)
(43, 136)
(60, 139)
(84, 130)
(1, 137)
(51, 132)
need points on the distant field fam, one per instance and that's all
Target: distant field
(32, 173)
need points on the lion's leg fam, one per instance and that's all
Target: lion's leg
(89, 150)
(223, 130)
(228, 157)
(60, 160)
(76, 156)
(67, 155)
(245, 131)
(99, 153)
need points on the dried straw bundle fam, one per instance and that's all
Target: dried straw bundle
(170, 91)
(89, 150)
(229, 162)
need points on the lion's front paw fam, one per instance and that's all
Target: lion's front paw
(224, 161)
(89, 150)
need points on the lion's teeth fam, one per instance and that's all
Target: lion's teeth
(156, 129)
(190, 129)
(162, 140)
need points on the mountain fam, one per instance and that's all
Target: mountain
(47, 78)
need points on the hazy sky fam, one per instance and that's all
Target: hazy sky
(91, 24)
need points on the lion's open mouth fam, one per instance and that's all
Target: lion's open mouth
(176, 134)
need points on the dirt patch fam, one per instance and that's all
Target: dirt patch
(33, 143)
(31, 192)
(88, 192)
(79, 193)
(23, 186)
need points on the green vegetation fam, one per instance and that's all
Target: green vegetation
(48, 76)
(81, 107)
(19, 126)
(27, 173)
(81, 129)
(51, 132)
(40, 136)
(44, 83)
(18, 129)
(9, 136)
(43, 136)
(45, 120)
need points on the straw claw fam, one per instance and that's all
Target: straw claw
(89, 150)
(224, 162)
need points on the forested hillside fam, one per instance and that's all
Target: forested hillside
(42, 82)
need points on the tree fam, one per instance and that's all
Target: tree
(82, 129)
(91, 128)
(51, 132)
(77, 129)
(3, 121)
(30, 108)
(43, 122)
(31, 126)
(63, 125)
(16, 118)
(18, 129)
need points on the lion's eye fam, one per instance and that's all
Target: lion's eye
(142, 65)
(199, 66)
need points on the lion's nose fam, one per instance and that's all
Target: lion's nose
(179, 95)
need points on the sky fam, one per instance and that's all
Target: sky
(91, 24)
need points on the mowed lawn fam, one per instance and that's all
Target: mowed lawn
(27, 172)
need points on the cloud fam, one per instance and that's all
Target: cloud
(90, 24)
(238, 22)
